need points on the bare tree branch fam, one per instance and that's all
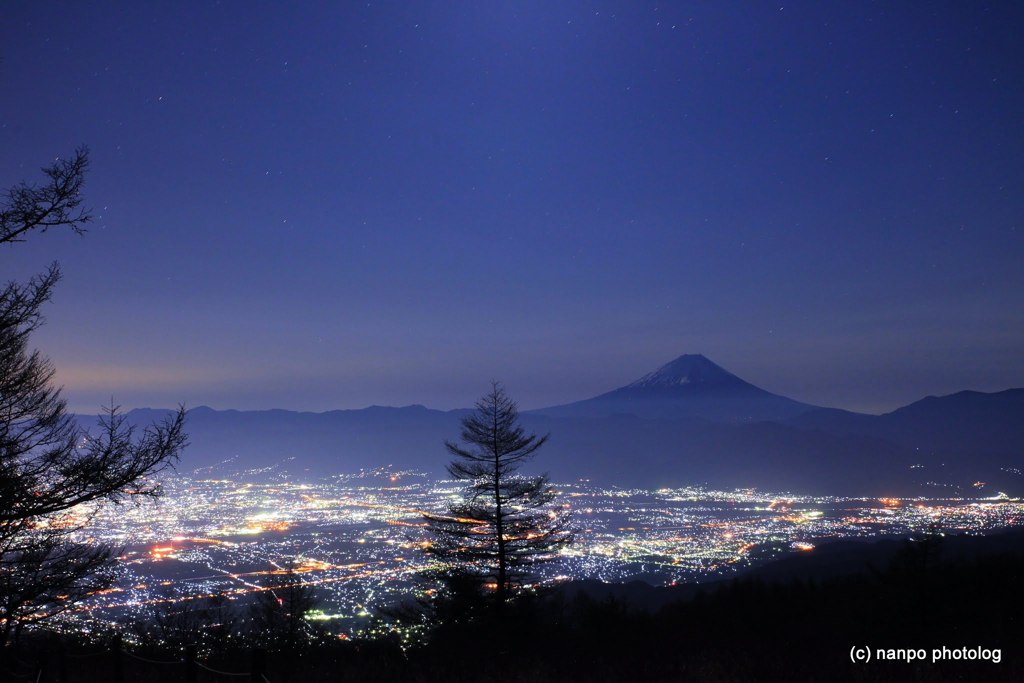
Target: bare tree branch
(58, 202)
(54, 473)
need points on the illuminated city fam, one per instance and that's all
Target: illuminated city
(358, 537)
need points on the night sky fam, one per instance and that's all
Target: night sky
(393, 203)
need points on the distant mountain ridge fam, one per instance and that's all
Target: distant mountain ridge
(688, 422)
(967, 422)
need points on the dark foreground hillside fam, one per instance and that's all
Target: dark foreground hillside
(930, 594)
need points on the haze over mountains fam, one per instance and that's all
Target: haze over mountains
(688, 422)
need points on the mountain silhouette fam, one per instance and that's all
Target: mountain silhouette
(689, 386)
(688, 422)
(968, 423)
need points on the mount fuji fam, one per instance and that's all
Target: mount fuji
(689, 386)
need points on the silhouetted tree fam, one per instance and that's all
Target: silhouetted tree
(279, 614)
(54, 474)
(920, 553)
(505, 523)
(914, 567)
(57, 203)
(177, 619)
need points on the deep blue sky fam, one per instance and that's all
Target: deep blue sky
(391, 203)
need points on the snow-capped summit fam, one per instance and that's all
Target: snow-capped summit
(687, 369)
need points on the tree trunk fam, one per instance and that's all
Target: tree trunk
(499, 525)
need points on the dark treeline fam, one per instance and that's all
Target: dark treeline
(745, 630)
